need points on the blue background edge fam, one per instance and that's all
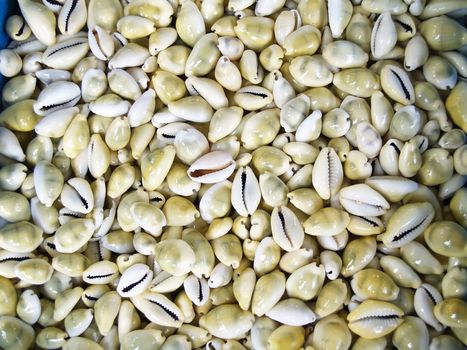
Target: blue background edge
(7, 8)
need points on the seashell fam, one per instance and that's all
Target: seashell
(142, 109)
(100, 43)
(446, 238)
(416, 53)
(40, 20)
(396, 83)
(130, 55)
(357, 255)
(206, 47)
(208, 89)
(362, 200)
(158, 309)
(219, 127)
(339, 14)
(373, 319)
(55, 124)
(306, 282)
(161, 39)
(10, 146)
(227, 322)
(292, 312)
(78, 321)
(135, 27)
(105, 311)
(17, 28)
(331, 331)
(231, 47)
(255, 32)
(19, 88)
(434, 31)
(246, 193)
(359, 82)
(273, 190)
(326, 222)
(66, 54)
(267, 121)
(286, 229)
(33, 271)
(71, 236)
(310, 71)
(331, 298)
(374, 284)
(383, 36)
(56, 96)
(77, 196)
(28, 307)
(102, 272)
(420, 258)
(164, 282)
(425, 298)
(266, 8)
(252, 98)
(190, 23)
(439, 72)
(31, 237)
(20, 116)
(334, 243)
(345, 54)
(197, 289)
(72, 17)
(134, 280)
(212, 167)
(400, 272)
(238, 5)
(175, 256)
(393, 188)
(408, 222)
(160, 12)
(283, 91)
(12, 176)
(192, 108)
(327, 173)
(48, 182)
(180, 211)
(216, 201)
(20, 334)
(303, 41)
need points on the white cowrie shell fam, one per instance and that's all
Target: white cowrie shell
(77, 195)
(425, 298)
(286, 229)
(212, 167)
(246, 193)
(383, 36)
(253, 97)
(393, 188)
(100, 42)
(220, 276)
(110, 105)
(339, 14)
(142, 109)
(362, 200)
(345, 54)
(294, 112)
(150, 218)
(292, 312)
(227, 74)
(334, 243)
(327, 174)
(55, 124)
(397, 85)
(230, 47)
(164, 282)
(98, 156)
(159, 309)
(123, 84)
(161, 39)
(56, 96)
(66, 54)
(10, 146)
(40, 19)
(416, 53)
(208, 89)
(102, 272)
(197, 289)
(32, 44)
(130, 55)
(268, 7)
(47, 76)
(134, 280)
(29, 306)
(286, 23)
(48, 182)
(369, 141)
(72, 17)
(167, 133)
(310, 128)
(282, 90)
(192, 108)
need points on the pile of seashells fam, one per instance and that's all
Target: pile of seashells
(234, 174)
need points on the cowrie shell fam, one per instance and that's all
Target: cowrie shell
(66, 54)
(164, 282)
(292, 312)
(327, 173)
(130, 55)
(10, 146)
(71, 236)
(425, 298)
(373, 319)
(253, 97)
(142, 109)
(56, 96)
(208, 89)
(77, 195)
(246, 193)
(48, 182)
(192, 108)
(197, 289)
(407, 223)
(8, 260)
(383, 36)
(40, 19)
(362, 200)
(110, 105)
(159, 309)
(212, 167)
(100, 42)
(393, 188)
(286, 229)
(339, 14)
(72, 17)
(134, 280)
(55, 124)
(397, 85)
(102, 272)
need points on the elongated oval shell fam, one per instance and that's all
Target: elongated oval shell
(327, 173)
(286, 229)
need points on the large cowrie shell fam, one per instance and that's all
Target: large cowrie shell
(383, 36)
(66, 54)
(40, 19)
(134, 280)
(397, 85)
(72, 17)
(100, 43)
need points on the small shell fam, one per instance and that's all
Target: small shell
(397, 85)
(326, 222)
(102, 272)
(66, 54)
(383, 36)
(292, 312)
(339, 14)
(362, 200)
(77, 196)
(331, 298)
(253, 97)
(40, 19)
(306, 282)
(72, 17)
(197, 289)
(286, 229)
(345, 54)
(400, 272)
(130, 55)
(134, 280)
(212, 167)
(393, 188)
(227, 322)
(373, 319)
(408, 222)
(420, 258)
(56, 96)
(416, 53)
(246, 193)
(425, 299)
(327, 173)
(374, 284)
(159, 309)
(175, 256)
